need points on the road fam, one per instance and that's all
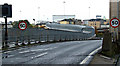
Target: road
(72, 52)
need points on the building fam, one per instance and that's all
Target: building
(96, 22)
(71, 21)
(78, 22)
(115, 12)
(57, 18)
(85, 22)
(114, 8)
(66, 21)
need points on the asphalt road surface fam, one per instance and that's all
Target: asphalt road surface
(72, 52)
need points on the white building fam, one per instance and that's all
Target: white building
(57, 18)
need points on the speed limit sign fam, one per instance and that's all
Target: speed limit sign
(22, 25)
(114, 22)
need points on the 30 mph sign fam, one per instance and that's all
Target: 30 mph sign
(114, 22)
(22, 25)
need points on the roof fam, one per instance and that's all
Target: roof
(97, 20)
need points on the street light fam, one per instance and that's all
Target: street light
(64, 6)
(38, 13)
(89, 12)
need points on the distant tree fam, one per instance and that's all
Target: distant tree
(15, 24)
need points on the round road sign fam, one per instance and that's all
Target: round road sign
(22, 25)
(114, 22)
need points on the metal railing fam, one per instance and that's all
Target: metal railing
(16, 36)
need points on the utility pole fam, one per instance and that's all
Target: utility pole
(6, 12)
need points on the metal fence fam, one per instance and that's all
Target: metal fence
(16, 36)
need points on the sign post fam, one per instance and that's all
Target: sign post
(6, 11)
(115, 22)
(22, 26)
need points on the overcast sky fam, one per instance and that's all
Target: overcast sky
(28, 9)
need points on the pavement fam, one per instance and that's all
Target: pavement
(100, 59)
(72, 52)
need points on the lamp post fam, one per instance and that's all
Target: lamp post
(20, 14)
(89, 12)
(38, 13)
(64, 6)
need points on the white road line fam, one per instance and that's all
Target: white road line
(88, 57)
(105, 57)
(40, 55)
(24, 51)
(44, 49)
(10, 55)
(37, 50)
(7, 51)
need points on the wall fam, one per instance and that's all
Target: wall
(94, 23)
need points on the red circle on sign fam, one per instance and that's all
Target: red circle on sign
(112, 25)
(23, 23)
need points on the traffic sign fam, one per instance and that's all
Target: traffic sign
(115, 22)
(22, 25)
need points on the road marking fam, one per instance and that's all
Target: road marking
(37, 50)
(105, 57)
(8, 52)
(40, 55)
(24, 51)
(10, 55)
(88, 57)
(44, 49)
